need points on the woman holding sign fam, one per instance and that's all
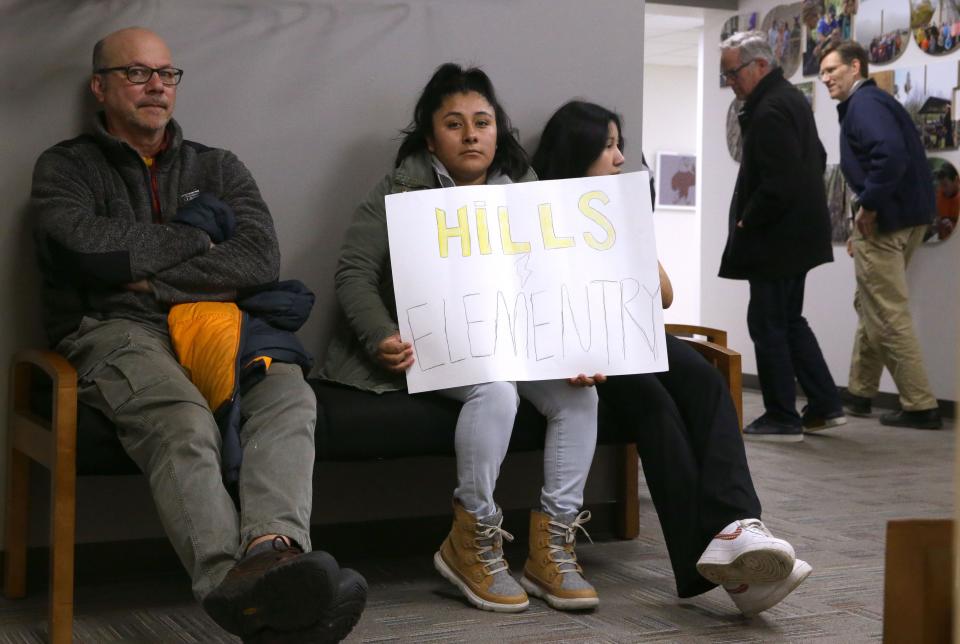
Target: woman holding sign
(688, 434)
(460, 136)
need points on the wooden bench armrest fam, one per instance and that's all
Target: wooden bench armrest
(716, 336)
(728, 362)
(52, 442)
(36, 437)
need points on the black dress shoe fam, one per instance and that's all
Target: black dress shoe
(334, 624)
(765, 428)
(923, 419)
(856, 405)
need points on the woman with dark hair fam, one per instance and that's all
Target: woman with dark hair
(688, 433)
(460, 135)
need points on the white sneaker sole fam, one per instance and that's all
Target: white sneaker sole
(472, 597)
(800, 572)
(560, 603)
(761, 563)
(827, 424)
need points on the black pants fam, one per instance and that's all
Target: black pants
(692, 454)
(787, 351)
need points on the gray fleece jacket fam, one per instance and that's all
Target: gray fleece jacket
(95, 232)
(364, 281)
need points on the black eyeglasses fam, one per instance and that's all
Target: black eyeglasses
(140, 74)
(731, 74)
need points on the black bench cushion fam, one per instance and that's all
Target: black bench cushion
(359, 425)
(352, 425)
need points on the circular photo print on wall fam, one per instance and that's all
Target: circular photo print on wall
(946, 184)
(825, 22)
(782, 27)
(883, 27)
(734, 139)
(935, 26)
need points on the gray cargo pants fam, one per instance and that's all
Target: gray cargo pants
(130, 373)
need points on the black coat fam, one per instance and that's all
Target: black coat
(780, 195)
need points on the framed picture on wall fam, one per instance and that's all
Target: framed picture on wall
(676, 181)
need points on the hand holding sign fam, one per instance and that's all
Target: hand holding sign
(394, 354)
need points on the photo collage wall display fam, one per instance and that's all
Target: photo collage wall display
(734, 140)
(947, 187)
(782, 26)
(825, 22)
(838, 202)
(935, 26)
(930, 93)
(883, 28)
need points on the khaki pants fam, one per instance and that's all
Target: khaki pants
(885, 335)
(130, 373)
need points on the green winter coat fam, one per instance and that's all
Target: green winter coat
(364, 283)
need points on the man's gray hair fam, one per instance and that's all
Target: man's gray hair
(753, 45)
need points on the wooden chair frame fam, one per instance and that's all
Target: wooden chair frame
(53, 444)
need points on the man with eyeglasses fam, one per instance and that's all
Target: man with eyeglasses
(779, 230)
(117, 252)
(884, 163)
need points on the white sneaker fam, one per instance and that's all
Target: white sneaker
(746, 552)
(755, 598)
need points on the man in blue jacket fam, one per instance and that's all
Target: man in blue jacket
(883, 161)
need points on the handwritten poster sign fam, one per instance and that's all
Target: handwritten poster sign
(529, 281)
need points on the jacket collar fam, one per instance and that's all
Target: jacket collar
(773, 77)
(121, 149)
(424, 171)
(415, 172)
(843, 105)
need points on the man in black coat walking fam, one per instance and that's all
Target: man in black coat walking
(779, 230)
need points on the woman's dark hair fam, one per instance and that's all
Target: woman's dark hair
(450, 78)
(574, 137)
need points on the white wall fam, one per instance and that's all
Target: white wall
(670, 125)
(829, 291)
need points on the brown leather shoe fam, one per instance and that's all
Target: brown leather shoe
(280, 588)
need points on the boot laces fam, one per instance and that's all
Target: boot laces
(489, 542)
(562, 539)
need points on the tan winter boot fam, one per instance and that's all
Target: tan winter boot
(552, 572)
(471, 558)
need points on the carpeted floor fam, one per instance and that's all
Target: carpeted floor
(830, 496)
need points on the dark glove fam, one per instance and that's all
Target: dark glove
(210, 215)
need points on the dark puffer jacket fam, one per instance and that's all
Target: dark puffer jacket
(228, 347)
(779, 196)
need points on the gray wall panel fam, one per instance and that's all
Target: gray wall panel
(310, 95)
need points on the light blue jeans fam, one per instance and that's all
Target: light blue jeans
(483, 435)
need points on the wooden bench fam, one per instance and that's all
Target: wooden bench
(44, 417)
